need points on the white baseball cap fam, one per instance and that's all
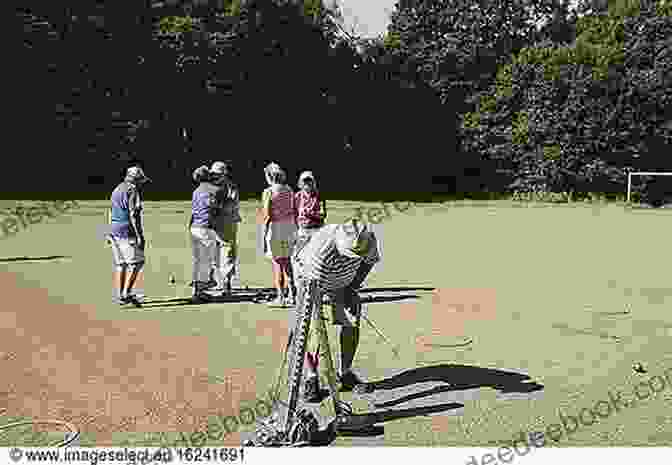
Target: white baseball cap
(306, 175)
(135, 173)
(220, 168)
(352, 239)
(200, 174)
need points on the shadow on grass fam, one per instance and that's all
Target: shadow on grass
(249, 297)
(393, 298)
(33, 259)
(456, 377)
(395, 289)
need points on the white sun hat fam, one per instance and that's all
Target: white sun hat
(136, 174)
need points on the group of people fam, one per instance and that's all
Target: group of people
(301, 247)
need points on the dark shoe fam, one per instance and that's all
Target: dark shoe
(134, 299)
(344, 424)
(200, 298)
(311, 391)
(348, 381)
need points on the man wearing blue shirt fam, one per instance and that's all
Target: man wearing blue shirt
(126, 235)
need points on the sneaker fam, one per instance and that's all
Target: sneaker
(349, 423)
(311, 391)
(349, 381)
(134, 299)
(210, 284)
(200, 298)
(277, 302)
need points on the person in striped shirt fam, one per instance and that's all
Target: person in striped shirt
(279, 231)
(339, 257)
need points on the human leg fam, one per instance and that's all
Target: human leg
(202, 246)
(228, 254)
(347, 313)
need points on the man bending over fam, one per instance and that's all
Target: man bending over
(339, 258)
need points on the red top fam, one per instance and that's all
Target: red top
(308, 208)
(282, 204)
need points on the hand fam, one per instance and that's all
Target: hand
(142, 244)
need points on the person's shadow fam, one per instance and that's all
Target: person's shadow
(262, 295)
(455, 377)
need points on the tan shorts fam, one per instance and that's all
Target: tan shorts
(339, 312)
(126, 251)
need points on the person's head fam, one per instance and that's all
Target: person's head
(220, 172)
(201, 174)
(136, 175)
(274, 174)
(307, 182)
(353, 239)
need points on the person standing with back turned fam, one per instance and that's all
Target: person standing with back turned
(206, 204)
(226, 226)
(279, 231)
(127, 236)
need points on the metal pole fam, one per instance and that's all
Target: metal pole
(629, 188)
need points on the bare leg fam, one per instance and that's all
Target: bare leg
(121, 280)
(289, 275)
(278, 278)
(349, 339)
(135, 271)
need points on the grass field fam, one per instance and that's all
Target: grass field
(540, 290)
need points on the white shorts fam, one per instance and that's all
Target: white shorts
(126, 251)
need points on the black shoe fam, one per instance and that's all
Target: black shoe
(311, 391)
(200, 298)
(354, 424)
(349, 381)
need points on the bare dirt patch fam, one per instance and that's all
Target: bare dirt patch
(59, 361)
(452, 311)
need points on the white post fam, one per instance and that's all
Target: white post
(629, 184)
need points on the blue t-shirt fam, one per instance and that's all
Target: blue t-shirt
(205, 205)
(126, 201)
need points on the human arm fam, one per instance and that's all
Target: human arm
(266, 208)
(323, 211)
(265, 216)
(135, 210)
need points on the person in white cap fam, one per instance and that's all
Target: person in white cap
(126, 235)
(311, 210)
(206, 204)
(226, 226)
(279, 230)
(339, 257)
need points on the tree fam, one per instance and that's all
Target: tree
(573, 116)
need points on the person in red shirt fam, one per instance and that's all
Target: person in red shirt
(311, 210)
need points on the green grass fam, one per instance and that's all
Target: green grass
(551, 266)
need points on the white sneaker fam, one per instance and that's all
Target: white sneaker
(277, 302)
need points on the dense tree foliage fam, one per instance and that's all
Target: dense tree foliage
(575, 116)
(458, 96)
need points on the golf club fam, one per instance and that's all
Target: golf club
(395, 349)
